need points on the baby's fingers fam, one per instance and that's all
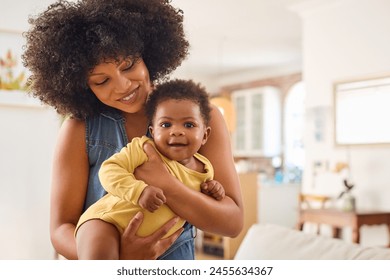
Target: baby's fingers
(214, 189)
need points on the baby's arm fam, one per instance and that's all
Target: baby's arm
(116, 173)
(151, 198)
(214, 189)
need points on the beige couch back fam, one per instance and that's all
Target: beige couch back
(273, 242)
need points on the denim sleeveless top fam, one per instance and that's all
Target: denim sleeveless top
(106, 135)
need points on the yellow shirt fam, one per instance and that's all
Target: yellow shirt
(120, 205)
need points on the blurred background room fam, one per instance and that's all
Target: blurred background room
(303, 86)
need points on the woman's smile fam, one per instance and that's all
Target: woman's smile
(130, 97)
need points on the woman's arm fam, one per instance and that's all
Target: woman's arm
(223, 217)
(69, 186)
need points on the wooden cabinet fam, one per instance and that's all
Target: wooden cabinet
(258, 130)
(227, 247)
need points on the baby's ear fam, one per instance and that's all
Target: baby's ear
(151, 131)
(206, 135)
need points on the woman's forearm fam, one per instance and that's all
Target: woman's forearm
(223, 217)
(64, 242)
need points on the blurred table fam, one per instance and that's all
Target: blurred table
(338, 219)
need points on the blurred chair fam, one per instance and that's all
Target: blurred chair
(311, 201)
(314, 201)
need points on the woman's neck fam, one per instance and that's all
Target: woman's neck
(136, 124)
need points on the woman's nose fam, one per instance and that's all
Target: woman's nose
(122, 84)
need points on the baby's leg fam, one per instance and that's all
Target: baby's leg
(97, 240)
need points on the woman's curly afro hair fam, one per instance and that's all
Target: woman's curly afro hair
(69, 39)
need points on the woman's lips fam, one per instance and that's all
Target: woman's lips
(129, 97)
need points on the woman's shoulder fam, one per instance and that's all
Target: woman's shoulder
(218, 146)
(71, 139)
(72, 125)
(73, 131)
(217, 120)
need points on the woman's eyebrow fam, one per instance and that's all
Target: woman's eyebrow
(96, 74)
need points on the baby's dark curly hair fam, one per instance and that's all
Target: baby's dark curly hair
(178, 89)
(69, 39)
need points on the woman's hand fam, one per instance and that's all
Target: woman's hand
(151, 247)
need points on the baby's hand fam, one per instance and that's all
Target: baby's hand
(213, 188)
(151, 198)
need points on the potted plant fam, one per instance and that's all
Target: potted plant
(348, 201)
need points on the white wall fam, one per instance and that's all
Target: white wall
(14, 13)
(343, 40)
(28, 135)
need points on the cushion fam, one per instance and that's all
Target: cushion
(274, 242)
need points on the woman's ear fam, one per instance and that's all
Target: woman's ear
(152, 88)
(206, 135)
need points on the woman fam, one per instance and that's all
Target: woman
(96, 61)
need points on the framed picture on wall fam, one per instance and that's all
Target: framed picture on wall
(362, 111)
(12, 73)
(13, 76)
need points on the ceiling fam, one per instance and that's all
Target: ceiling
(231, 36)
(226, 36)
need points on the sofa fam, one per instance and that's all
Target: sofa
(275, 242)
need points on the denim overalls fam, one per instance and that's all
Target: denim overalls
(106, 135)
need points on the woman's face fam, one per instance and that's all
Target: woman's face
(178, 129)
(123, 85)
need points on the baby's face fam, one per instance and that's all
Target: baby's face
(178, 129)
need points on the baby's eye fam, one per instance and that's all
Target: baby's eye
(189, 125)
(165, 124)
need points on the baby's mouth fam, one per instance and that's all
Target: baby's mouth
(177, 144)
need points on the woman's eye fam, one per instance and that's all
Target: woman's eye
(101, 82)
